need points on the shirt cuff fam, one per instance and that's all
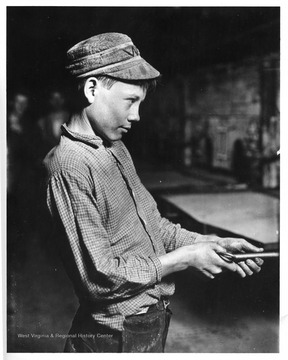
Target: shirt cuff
(158, 268)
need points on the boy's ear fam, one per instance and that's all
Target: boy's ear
(89, 89)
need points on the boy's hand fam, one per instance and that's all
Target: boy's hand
(235, 245)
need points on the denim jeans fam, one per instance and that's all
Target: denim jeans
(142, 333)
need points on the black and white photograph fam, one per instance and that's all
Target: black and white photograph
(142, 179)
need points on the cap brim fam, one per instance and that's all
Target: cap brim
(137, 70)
(141, 70)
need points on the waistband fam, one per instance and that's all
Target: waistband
(162, 304)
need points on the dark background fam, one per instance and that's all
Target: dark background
(173, 39)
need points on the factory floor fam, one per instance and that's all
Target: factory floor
(226, 315)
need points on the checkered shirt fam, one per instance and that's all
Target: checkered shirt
(113, 230)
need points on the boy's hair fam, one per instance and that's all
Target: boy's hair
(109, 81)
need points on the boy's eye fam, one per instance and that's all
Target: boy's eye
(131, 100)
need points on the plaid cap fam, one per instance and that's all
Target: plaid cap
(112, 54)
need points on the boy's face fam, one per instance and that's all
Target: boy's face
(114, 110)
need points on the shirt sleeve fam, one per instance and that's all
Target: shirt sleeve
(97, 272)
(173, 235)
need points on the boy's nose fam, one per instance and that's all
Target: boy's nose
(134, 117)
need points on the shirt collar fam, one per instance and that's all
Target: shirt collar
(93, 140)
(115, 147)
